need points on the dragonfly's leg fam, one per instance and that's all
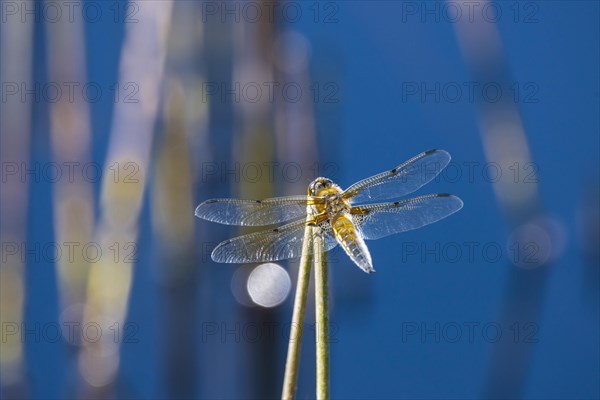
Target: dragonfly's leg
(358, 211)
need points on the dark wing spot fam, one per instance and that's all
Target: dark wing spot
(430, 151)
(276, 230)
(396, 203)
(444, 195)
(258, 201)
(394, 171)
(210, 201)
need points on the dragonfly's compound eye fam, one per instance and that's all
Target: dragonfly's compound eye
(318, 185)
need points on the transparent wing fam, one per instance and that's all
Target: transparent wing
(375, 221)
(253, 212)
(269, 245)
(402, 180)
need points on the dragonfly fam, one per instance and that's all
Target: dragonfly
(335, 214)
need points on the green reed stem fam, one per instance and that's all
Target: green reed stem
(322, 317)
(292, 362)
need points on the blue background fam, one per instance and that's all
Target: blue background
(371, 52)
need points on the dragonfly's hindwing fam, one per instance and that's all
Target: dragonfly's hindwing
(268, 245)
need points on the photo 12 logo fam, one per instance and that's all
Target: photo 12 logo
(452, 12)
(252, 12)
(68, 92)
(528, 253)
(476, 171)
(73, 332)
(70, 252)
(270, 92)
(468, 332)
(53, 12)
(69, 172)
(470, 92)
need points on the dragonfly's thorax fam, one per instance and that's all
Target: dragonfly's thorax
(334, 203)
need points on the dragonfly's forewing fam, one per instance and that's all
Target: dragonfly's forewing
(402, 180)
(253, 212)
(269, 245)
(375, 221)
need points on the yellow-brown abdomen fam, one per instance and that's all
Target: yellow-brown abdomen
(348, 237)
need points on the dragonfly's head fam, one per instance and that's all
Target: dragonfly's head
(318, 185)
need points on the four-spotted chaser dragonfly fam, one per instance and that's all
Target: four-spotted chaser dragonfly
(334, 213)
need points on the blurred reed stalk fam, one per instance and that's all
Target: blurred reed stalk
(505, 144)
(177, 272)
(254, 131)
(178, 269)
(16, 60)
(321, 315)
(125, 177)
(73, 205)
(292, 362)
